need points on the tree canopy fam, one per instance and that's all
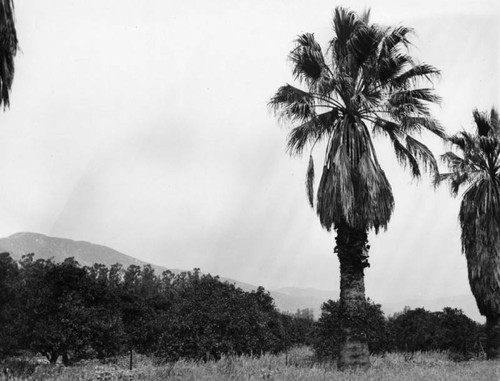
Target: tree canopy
(366, 83)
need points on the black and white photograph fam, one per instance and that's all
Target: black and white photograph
(249, 190)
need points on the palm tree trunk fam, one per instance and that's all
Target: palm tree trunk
(353, 350)
(493, 337)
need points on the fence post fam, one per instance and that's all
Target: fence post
(131, 358)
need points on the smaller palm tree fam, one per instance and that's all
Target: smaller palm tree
(476, 166)
(8, 49)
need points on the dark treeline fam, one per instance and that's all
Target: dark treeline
(64, 310)
(409, 331)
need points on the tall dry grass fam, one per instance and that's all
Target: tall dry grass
(298, 365)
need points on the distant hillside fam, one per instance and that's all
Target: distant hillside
(286, 298)
(85, 253)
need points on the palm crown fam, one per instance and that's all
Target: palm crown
(366, 83)
(476, 166)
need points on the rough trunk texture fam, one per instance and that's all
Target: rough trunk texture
(352, 253)
(493, 334)
(483, 264)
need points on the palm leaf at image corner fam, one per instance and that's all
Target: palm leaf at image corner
(8, 49)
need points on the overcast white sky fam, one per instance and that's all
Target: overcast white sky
(143, 126)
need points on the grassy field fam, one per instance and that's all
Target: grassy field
(420, 366)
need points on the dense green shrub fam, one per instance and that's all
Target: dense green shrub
(411, 330)
(209, 318)
(368, 320)
(421, 330)
(298, 328)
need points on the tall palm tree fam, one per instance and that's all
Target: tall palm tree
(366, 83)
(8, 49)
(477, 167)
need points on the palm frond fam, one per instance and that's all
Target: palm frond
(363, 43)
(454, 179)
(8, 49)
(310, 181)
(336, 196)
(462, 140)
(456, 163)
(310, 131)
(351, 135)
(457, 181)
(308, 61)
(495, 122)
(367, 99)
(369, 174)
(480, 210)
(386, 127)
(343, 184)
(403, 154)
(405, 97)
(292, 104)
(423, 154)
(482, 123)
(405, 157)
(413, 102)
(391, 66)
(375, 193)
(345, 23)
(365, 16)
(488, 144)
(396, 37)
(416, 73)
(415, 124)
(442, 177)
(452, 159)
(325, 203)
